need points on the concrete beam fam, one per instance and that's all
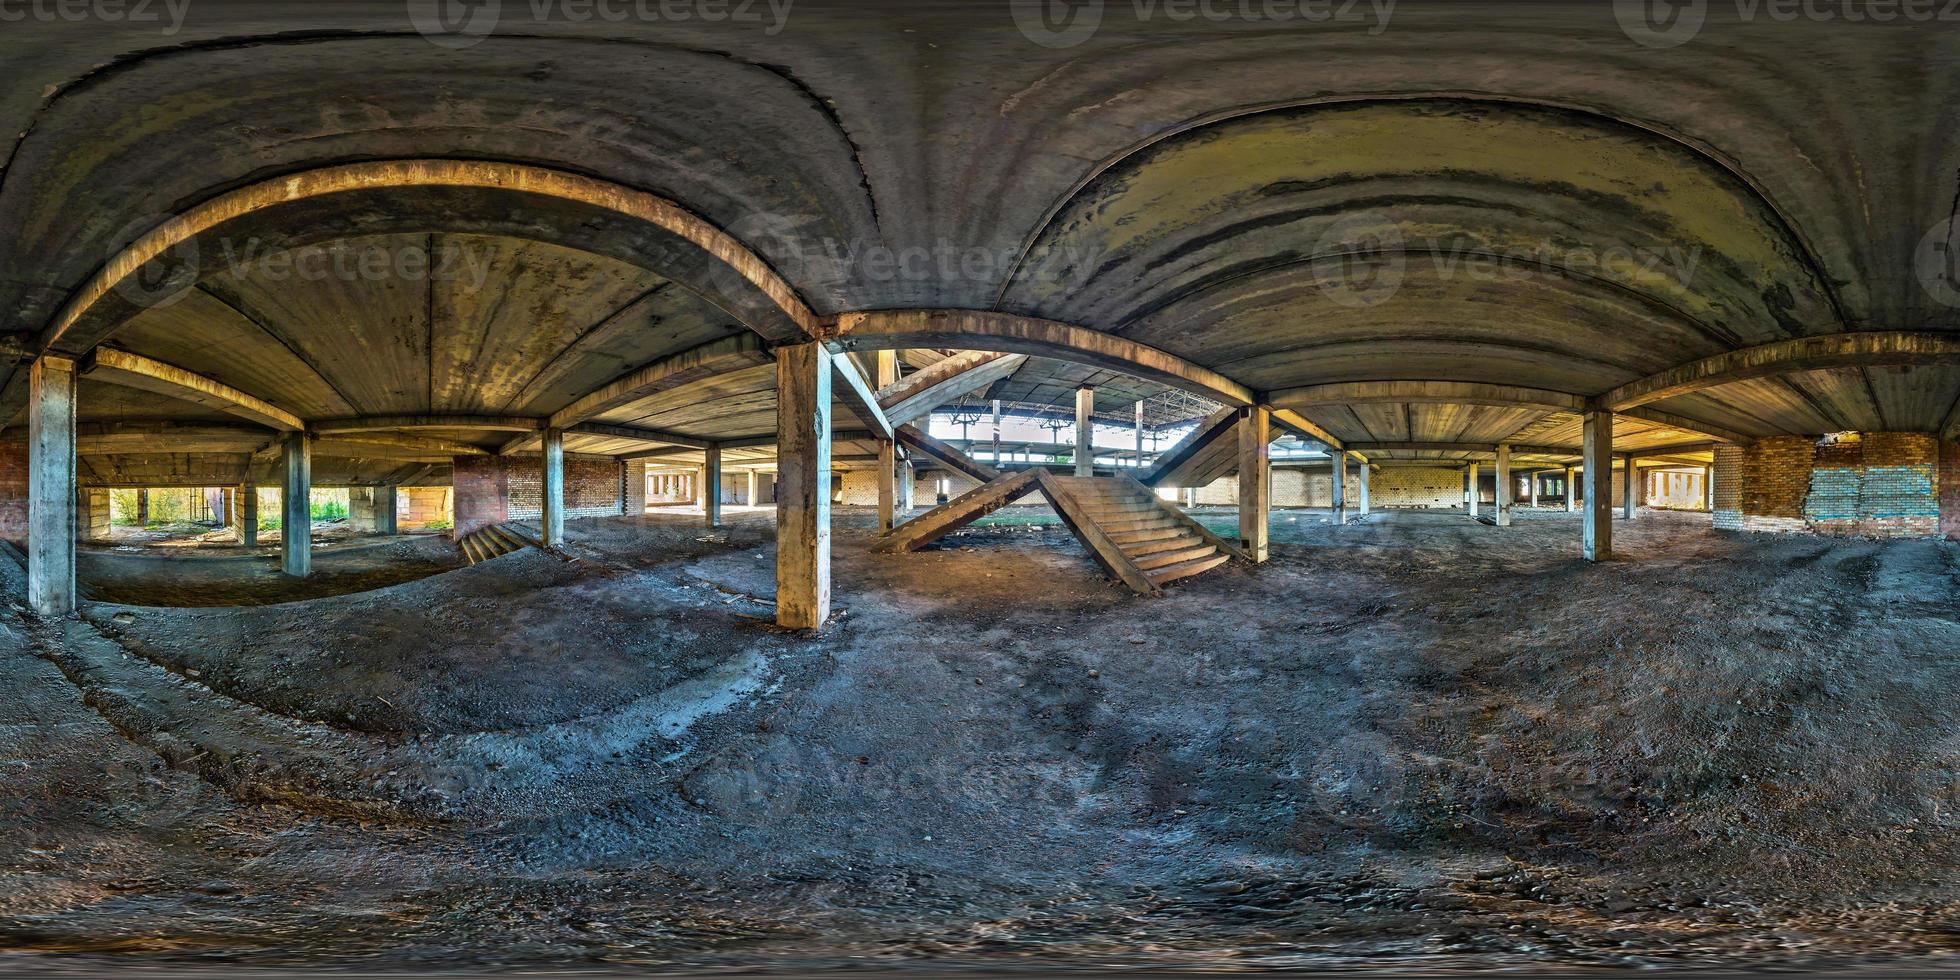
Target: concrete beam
(1686, 424)
(405, 423)
(51, 496)
(989, 330)
(858, 394)
(1302, 426)
(1465, 447)
(803, 377)
(1425, 393)
(149, 374)
(1882, 348)
(687, 367)
(945, 382)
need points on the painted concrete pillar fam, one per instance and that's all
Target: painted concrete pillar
(1362, 472)
(711, 485)
(1255, 481)
(296, 506)
(1338, 482)
(385, 504)
(803, 490)
(1629, 490)
(1571, 477)
(1475, 491)
(1502, 509)
(753, 499)
(51, 486)
(553, 516)
(248, 515)
(1085, 450)
(1596, 533)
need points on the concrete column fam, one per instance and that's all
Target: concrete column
(753, 499)
(887, 485)
(1629, 490)
(1596, 540)
(908, 477)
(553, 517)
(296, 507)
(1503, 506)
(1139, 437)
(997, 433)
(1571, 476)
(1475, 491)
(248, 515)
(1708, 488)
(51, 489)
(1085, 450)
(384, 510)
(803, 471)
(1532, 477)
(1362, 472)
(1255, 479)
(93, 521)
(1338, 474)
(1190, 496)
(711, 485)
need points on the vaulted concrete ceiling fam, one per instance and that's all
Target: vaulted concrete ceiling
(1289, 204)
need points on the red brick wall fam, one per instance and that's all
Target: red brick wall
(482, 491)
(13, 489)
(1874, 484)
(1776, 476)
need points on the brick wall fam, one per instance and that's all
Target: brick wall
(416, 506)
(1728, 487)
(593, 487)
(635, 483)
(1416, 486)
(95, 514)
(13, 489)
(1876, 484)
(482, 492)
(1949, 483)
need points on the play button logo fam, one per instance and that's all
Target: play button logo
(1660, 23)
(455, 23)
(1057, 23)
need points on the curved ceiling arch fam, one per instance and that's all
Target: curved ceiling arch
(166, 129)
(461, 196)
(1702, 148)
(1448, 178)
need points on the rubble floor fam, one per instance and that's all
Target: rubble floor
(1411, 742)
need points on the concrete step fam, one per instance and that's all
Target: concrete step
(1167, 559)
(1124, 539)
(1147, 523)
(1171, 573)
(1139, 549)
(468, 544)
(507, 541)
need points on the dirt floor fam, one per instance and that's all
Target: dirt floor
(1413, 742)
(169, 572)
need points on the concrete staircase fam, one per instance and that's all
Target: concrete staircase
(1159, 541)
(491, 541)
